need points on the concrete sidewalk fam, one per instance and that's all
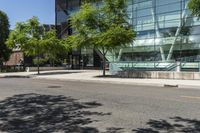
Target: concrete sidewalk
(95, 76)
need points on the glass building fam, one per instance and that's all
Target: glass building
(77, 58)
(167, 33)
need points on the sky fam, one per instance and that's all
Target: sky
(21, 10)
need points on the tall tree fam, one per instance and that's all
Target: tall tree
(103, 27)
(32, 39)
(27, 36)
(194, 6)
(4, 32)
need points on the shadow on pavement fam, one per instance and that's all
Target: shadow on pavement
(41, 74)
(106, 76)
(35, 113)
(56, 73)
(14, 76)
(177, 125)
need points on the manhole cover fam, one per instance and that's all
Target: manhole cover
(54, 86)
(168, 85)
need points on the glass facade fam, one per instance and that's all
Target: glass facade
(78, 58)
(64, 9)
(166, 31)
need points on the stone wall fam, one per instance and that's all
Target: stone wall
(160, 75)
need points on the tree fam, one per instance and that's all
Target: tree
(103, 27)
(194, 7)
(4, 32)
(53, 47)
(27, 36)
(32, 39)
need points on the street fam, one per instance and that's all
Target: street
(44, 106)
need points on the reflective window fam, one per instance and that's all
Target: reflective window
(161, 26)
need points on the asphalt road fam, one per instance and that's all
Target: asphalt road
(48, 106)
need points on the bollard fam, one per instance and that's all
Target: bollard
(178, 66)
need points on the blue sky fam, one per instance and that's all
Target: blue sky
(21, 10)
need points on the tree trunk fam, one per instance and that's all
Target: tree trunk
(38, 69)
(38, 59)
(24, 62)
(104, 61)
(1, 66)
(104, 64)
(38, 65)
(53, 63)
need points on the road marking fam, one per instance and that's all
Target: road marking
(191, 97)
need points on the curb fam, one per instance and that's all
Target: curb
(175, 86)
(100, 81)
(189, 87)
(164, 85)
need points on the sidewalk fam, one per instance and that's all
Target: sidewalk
(95, 76)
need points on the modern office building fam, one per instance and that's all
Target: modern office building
(77, 58)
(167, 33)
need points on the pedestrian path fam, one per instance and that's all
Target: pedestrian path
(95, 76)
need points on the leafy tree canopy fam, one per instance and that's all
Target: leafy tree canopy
(194, 6)
(27, 36)
(31, 38)
(104, 26)
(4, 32)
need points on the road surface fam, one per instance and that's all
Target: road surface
(43, 106)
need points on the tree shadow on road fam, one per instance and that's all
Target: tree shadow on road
(57, 73)
(35, 113)
(177, 125)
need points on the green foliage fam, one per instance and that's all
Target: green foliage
(31, 38)
(194, 6)
(27, 36)
(4, 32)
(53, 46)
(39, 61)
(84, 23)
(104, 27)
